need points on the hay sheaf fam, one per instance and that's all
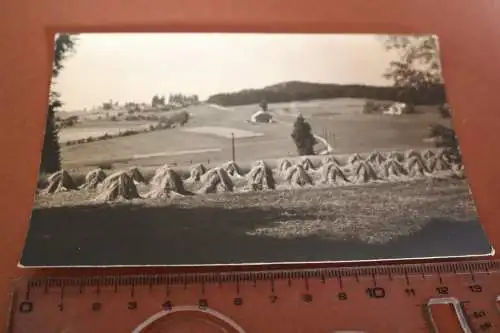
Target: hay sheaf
(261, 177)
(93, 179)
(332, 174)
(396, 155)
(197, 171)
(119, 186)
(354, 159)
(427, 154)
(438, 163)
(136, 175)
(416, 166)
(412, 153)
(297, 176)
(393, 169)
(459, 171)
(232, 169)
(331, 159)
(216, 180)
(106, 183)
(307, 164)
(60, 181)
(364, 173)
(376, 158)
(283, 166)
(165, 183)
(446, 155)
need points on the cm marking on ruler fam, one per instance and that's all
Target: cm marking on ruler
(402, 293)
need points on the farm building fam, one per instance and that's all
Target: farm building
(261, 117)
(398, 109)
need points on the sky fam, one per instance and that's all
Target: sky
(134, 67)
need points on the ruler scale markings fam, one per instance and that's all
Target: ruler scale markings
(456, 277)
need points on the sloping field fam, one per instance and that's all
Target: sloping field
(342, 119)
(253, 142)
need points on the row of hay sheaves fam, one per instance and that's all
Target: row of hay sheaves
(355, 170)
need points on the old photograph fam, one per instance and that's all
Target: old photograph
(226, 149)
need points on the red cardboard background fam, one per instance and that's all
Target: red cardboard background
(469, 34)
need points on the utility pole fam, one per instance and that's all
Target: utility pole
(232, 146)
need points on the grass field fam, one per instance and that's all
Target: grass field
(426, 217)
(387, 218)
(352, 130)
(99, 127)
(402, 217)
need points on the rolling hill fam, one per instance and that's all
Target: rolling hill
(300, 91)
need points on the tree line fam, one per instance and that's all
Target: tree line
(176, 98)
(303, 91)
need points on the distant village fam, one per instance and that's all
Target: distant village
(111, 110)
(174, 101)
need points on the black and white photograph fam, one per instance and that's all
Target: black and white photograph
(187, 149)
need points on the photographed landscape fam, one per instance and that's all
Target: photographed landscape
(293, 171)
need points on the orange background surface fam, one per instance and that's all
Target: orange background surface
(469, 34)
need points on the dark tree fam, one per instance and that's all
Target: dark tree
(303, 137)
(108, 105)
(445, 138)
(419, 68)
(263, 105)
(445, 110)
(154, 101)
(51, 155)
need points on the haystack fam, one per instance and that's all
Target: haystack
(376, 158)
(258, 163)
(158, 175)
(283, 166)
(165, 183)
(392, 168)
(232, 169)
(438, 163)
(445, 155)
(94, 178)
(416, 166)
(118, 186)
(331, 159)
(412, 153)
(307, 164)
(297, 176)
(112, 178)
(355, 158)
(459, 171)
(216, 180)
(196, 172)
(427, 154)
(261, 177)
(331, 173)
(364, 173)
(136, 175)
(396, 155)
(60, 181)
(261, 116)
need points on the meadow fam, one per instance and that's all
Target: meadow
(419, 219)
(185, 204)
(328, 219)
(348, 130)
